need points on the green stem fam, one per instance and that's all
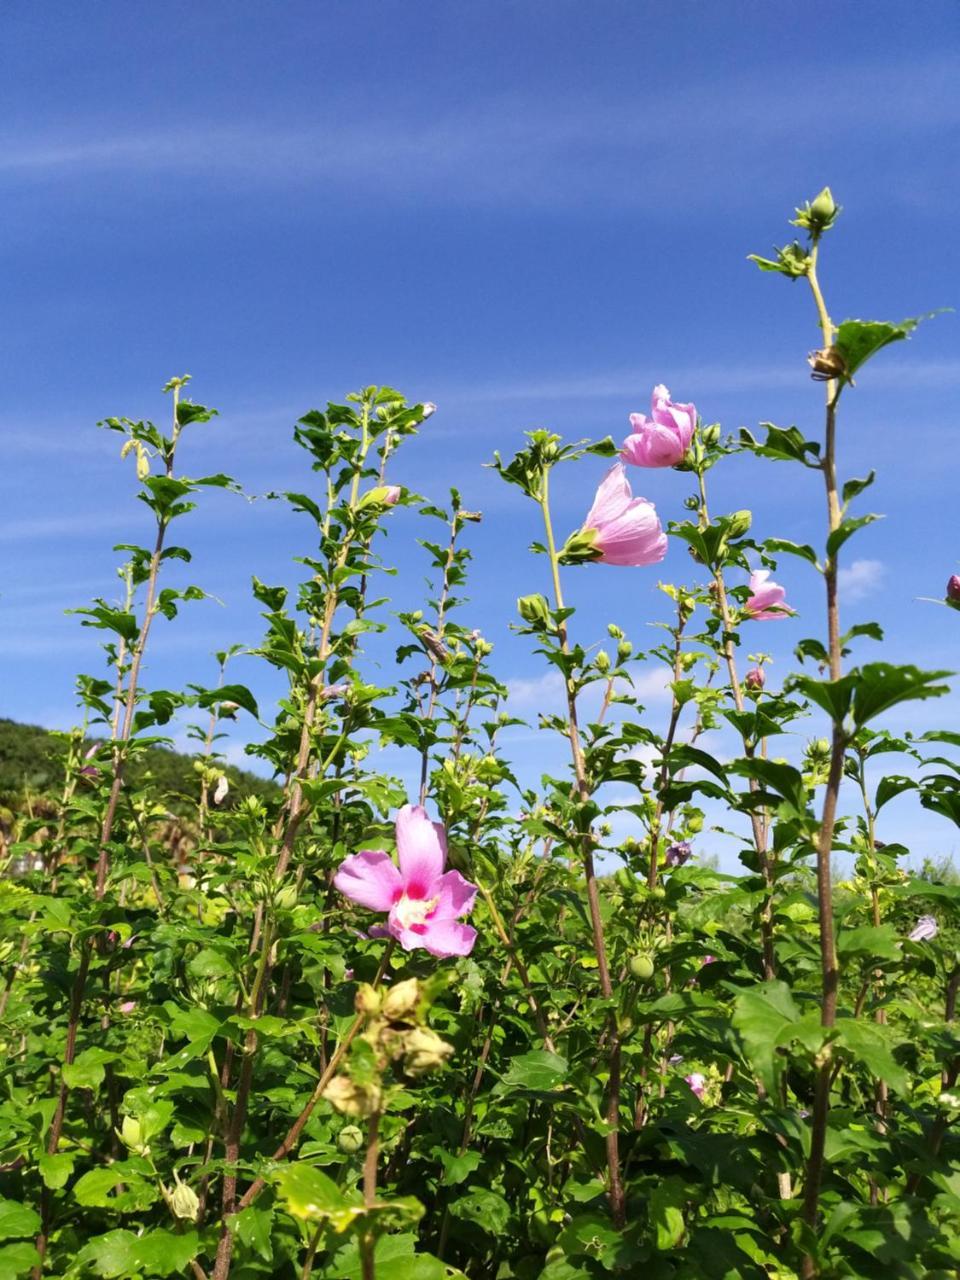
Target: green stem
(830, 974)
(615, 1189)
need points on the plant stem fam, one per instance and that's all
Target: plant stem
(756, 820)
(615, 1190)
(828, 949)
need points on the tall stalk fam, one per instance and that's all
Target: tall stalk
(615, 1191)
(830, 974)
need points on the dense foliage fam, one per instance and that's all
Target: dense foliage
(323, 1037)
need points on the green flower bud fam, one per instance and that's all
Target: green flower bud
(534, 610)
(131, 1134)
(710, 435)
(602, 661)
(614, 632)
(286, 898)
(350, 1139)
(739, 523)
(624, 650)
(184, 1202)
(695, 823)
(641, 966)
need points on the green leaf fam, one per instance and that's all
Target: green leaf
(852, 488)
(56, 1170)
(17, 1220)
(487, 1209)
(784, 546)
(845, 530)
(869, 942)
(869, 1043)
(786, 444)
(457, 1167)
(88, 1069)
(890, 786)
(18, 1259)
(665, 1207)
(238, 693)
(859, 340)
(761, 1015)
(878, 686)
(834, 696)
(538, 1071)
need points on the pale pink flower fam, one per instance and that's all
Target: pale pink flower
(128, 1006)
(423, 901)
(766, 598)
(663, 439)
(708, 959)
(697, 1082)
(755, 678)
(392, 494)
(925, 929)
(626, 529)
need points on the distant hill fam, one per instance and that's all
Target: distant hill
(31, 762)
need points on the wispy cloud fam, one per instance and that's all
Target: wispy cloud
(58, 526)
(534, 149)
(861, 578)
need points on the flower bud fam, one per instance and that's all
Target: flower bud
(614, 632)
(184, 1202)
(384, 495)
(424, 1051)
(222, 787)
(602, 661)
(131, 1134)
(641, 966)
(286, 898)
(352, 1099)
(534, 609)
(143, 464)
(695, 823)
(710, 435)
(755, 678)
(350, 1139)
(367, 1000)
(401, 1000)
(739, 523)
(624, 650)
(953, 588)
(823, 211)
(429, 409)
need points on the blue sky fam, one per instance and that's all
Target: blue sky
(527, 212)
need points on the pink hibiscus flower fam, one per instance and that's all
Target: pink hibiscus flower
(423, 902)
(766, 598)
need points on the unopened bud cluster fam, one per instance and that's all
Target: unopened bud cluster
(396, 1030)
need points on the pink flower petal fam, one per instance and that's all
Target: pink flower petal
(634, 538)
(655, 446)
(446, 938)
(370, 879)
(612, 499)
(455, 896)
(422, 848)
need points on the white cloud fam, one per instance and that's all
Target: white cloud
(862, 578)
(540, 691)
(537, 150)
